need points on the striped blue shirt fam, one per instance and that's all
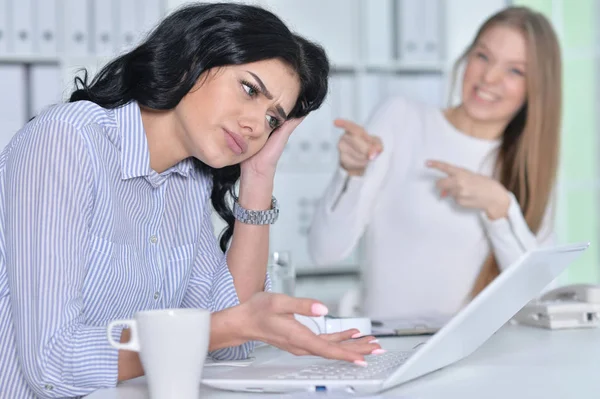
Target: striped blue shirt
(89, 233)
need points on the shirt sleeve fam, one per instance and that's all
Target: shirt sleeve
(511, 237)
(48, 193)
(344, 210)
(211, 284)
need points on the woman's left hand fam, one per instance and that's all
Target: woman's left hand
(264, 162)
(472, 190)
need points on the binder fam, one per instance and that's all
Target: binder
(343, 96)
(127, 36)
(310, 147)
(104, 37)
(343, 99)
(45, 27)
(75, 22)
(324, 154)
(13, 107)
(46, 87)
(425, 88)
(379, 32)
(432, 27)
(298, 194)
(72, 67)
(409, 25)
(369, 93)
(22, 27)
(301, 145)
(4, 27)
(325, 22)
(151, 12)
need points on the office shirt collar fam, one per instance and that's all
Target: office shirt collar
(135, 155)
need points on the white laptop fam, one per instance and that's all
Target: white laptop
(461, 336)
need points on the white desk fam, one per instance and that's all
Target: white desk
(517, 362)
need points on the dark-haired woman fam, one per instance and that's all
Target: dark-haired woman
(105, 202)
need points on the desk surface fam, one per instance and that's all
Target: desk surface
(517, 362)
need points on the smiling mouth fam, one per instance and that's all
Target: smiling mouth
(235, 142)
(485, 95)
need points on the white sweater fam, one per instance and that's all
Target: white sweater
(421, 253)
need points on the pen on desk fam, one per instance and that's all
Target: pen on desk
(385, 335)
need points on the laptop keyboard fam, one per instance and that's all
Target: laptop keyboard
(378, 366)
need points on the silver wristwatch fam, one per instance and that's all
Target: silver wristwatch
(256, 217)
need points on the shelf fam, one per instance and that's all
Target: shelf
(308, 272)
(55, 59)
(29, 59)
(391, 67)
(404, 66)
(407, 67)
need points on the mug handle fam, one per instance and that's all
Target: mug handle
(133, 344)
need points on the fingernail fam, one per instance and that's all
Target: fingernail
(373, 156)
(319, 309)
(374, 341)
(443, 194)
(428, 163)
(360, 363)
(357, 335)
(378, 351)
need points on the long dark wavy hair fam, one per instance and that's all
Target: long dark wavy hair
(166, 66)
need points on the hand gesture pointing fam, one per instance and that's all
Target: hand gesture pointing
(356, 147)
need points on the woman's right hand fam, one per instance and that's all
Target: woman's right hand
(356, 147)
(270, 318)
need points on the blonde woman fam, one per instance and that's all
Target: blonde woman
(447, 199)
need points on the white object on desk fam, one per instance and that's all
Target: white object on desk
(173, 344)
(330, 325)
(571, 306)
(410, 326)
(229, 363)
(462, 335)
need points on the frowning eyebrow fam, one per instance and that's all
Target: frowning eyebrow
(265, 92)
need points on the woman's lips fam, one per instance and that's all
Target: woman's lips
(235, 142)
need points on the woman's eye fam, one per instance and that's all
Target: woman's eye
(482, 56)
(517, 72)
(273, 122)
(251, 91)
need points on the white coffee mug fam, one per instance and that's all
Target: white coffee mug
(173, 344)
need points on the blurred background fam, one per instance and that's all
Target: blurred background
(378, 48)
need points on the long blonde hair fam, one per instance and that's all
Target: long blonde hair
(528, 156)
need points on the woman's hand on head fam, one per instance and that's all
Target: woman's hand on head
(264, 162)
(357, 148)
(270, 318)
(472, 190)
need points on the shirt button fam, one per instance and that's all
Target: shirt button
(48, 387)
(156, 295)
(153, 239)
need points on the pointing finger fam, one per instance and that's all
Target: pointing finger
(351, 127)
(450, 170)
(376, 147)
